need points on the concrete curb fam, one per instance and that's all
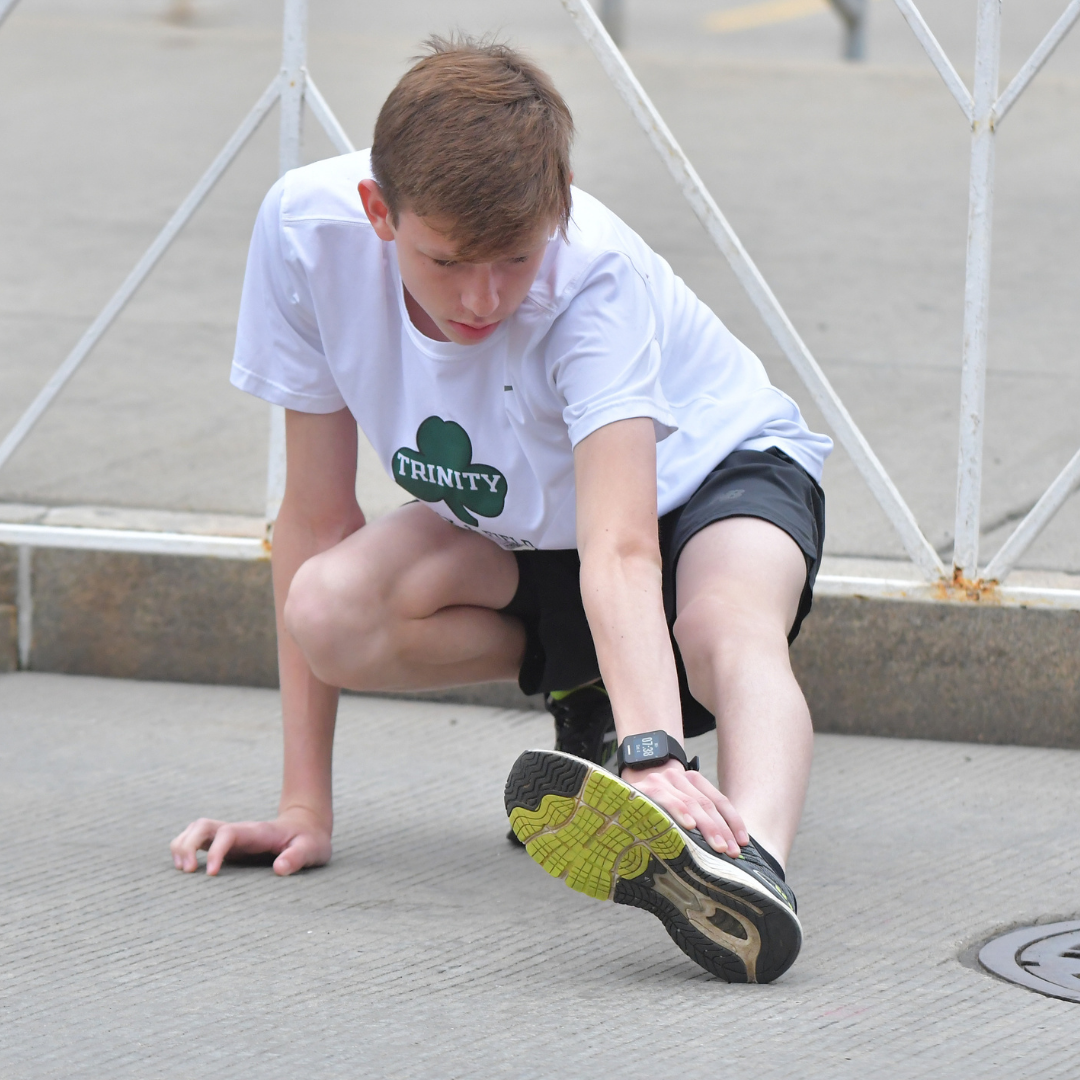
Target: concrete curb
(9, 658)
(867, 666)
(9, 640)
(942, 671)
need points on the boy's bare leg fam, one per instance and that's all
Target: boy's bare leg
(738, 586)
(407, 602)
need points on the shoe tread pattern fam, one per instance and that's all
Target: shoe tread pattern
(593, 831)
(536, 774)
(779, 936)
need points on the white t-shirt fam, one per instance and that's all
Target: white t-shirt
(485, 433)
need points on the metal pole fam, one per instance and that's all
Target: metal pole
(855, 38)
(853, 15)
(24, 601)
(977, 291)
(293, 76)
(293, 73)
(757, 289)
(275, 467)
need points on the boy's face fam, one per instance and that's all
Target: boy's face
(460, 302)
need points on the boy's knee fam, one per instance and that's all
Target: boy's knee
(347, 622)
(698, 634)
(721, 642)
(321, 613)
(308, 608)
(714, 630)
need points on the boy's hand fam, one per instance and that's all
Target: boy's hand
(693, 802)
(296, 837)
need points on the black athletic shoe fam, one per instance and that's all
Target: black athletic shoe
(584, 724)
(733, 916)
(584, 727)
(754, 860)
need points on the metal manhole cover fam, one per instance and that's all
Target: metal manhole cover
(1043, 958)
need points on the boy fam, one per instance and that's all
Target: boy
(605, 483)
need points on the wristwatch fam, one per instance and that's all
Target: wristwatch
(652, 748)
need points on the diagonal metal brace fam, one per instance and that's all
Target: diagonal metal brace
(327, 120)
(1037, 519)
(138, 275)
(1035, 62)
(938, 58)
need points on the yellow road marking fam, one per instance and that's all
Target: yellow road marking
(749, 16)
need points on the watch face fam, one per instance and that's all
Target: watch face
(647, 747)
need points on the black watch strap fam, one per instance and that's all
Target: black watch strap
(652, 748)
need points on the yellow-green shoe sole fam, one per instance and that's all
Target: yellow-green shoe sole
(604, 838)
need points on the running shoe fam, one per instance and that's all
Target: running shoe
(584, 724)
(584, 727)
(736, 917)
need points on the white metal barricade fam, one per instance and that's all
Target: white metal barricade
(984, 109)
(293, 87)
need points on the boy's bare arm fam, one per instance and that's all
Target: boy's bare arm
(615, 474)
(319, 510)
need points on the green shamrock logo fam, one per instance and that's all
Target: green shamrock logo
(441, 469)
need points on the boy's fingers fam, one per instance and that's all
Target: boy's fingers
(193, 839)
(695, 804)
(709, 820)
(223, 841)
(303, 850)
(715, 829)
(720, 833)
(692, 810)
(724, 807)
(678, 804)
(687, 815)
(682, 803)
(293, 858)
(683, 807)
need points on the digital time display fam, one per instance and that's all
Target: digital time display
(647, 747)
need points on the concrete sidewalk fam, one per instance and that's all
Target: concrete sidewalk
(430, 948)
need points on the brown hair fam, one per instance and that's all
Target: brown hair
(478, 138)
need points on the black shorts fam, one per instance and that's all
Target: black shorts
(559, 651)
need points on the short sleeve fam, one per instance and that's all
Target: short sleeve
(279, 354)
(603, 355)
